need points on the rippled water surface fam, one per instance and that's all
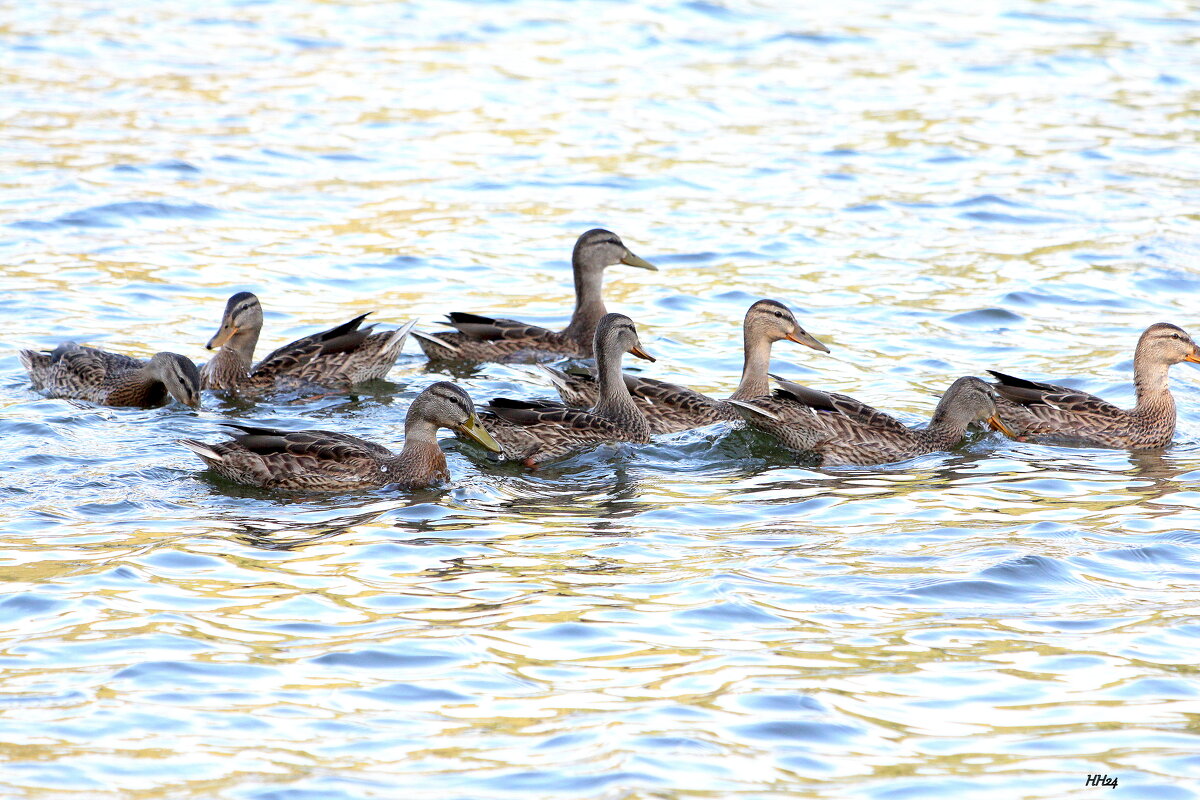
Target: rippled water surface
(935, 187)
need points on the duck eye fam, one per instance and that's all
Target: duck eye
(778, 315)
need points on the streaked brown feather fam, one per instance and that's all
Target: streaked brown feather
(536, 431)
(840, 430)
(99, 376)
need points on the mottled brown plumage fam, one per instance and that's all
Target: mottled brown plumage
(539, 431)
(1057, 413)
(334, 359)
(478, 338)
(112, 379)
(840, 430)
(669, 407)
(328, 461)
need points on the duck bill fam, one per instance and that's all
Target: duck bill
(224, 335)
(475, 431)
(1193, 357)
(997, 425)
(801, 336)
(633, 261)
(637, 350)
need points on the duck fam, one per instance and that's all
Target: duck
(75, 372)
(478, 338)
(1050, 412)
(328, 461)
(334, 359)
(842, 431)
(537, 431)
(669, 407)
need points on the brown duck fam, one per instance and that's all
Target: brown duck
(1046, 411)
(334, 359)
(477, 338)
(534, 432)
(669, 407)
(842, 431)
(98, 376)
(327, 461)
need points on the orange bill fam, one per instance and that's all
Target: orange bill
(801, 336)
(637, 350)
(997, 425)
(222, 336)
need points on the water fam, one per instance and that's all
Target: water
(935, 188)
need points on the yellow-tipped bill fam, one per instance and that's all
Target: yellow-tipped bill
(473, 430)
(637, 350)
(1194, 357)
(997, 425)
(222, 336)
(634, 261)
(801, 336)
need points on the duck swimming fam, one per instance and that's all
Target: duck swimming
(335, 359)
(328, 461)
(534, 432)
(669, 407)
(98, 376)
(477, 338)
(1047, 411)
(842, 431)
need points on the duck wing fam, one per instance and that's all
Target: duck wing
(345, 338)
(1032, 393)
(322, 446)
(1049, 410)
(537, 431)
(668, 407)
(535, 413)
(838, 410)
(491, 329)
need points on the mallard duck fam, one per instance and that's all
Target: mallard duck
(477, 338)
(533, 432)
(842, 431)
(670, 408)
(111, 379)
(335, 359)
(327, 461)
(1055, 412)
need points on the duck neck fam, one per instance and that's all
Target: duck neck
(1153, 391)
(147, 386)
(241, 346)
(614, 402)
(230, 366)
(754, 383)
(947, 427)
(421, 460)
(589, 306)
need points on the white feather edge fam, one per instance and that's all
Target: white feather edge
(200, 449)
(556, 376)
(434, 340)
(400, 333)
(751, 407)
